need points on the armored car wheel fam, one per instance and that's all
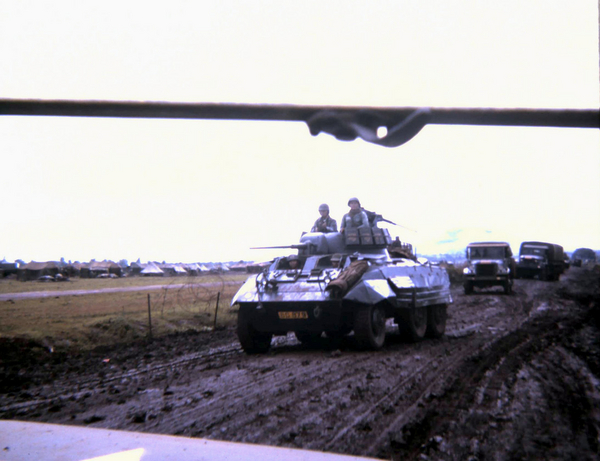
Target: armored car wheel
(413, 323)
(369, 326)
(436, 320)
(252, 341)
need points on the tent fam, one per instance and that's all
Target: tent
(152, 270)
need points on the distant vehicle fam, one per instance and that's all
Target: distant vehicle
(583, 256)
(541, 259)
(338, 283)
(489, 264)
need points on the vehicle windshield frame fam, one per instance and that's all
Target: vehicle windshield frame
(486, 252)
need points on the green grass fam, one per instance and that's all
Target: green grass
(86, 321)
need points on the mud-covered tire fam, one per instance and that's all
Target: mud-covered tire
(369, 327)
(413, 323)
(436, 320)
(252, 341)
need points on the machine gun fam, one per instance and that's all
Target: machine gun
(374, 218)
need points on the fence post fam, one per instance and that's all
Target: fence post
(216, 310)
(149, 317)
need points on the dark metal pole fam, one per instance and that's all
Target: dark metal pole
(216, 310)
(345, 123)
(149, 317)
(575, 118)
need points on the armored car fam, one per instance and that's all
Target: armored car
(342, 283)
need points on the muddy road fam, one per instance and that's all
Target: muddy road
(515, 377)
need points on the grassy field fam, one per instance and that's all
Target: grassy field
(90, 320)
(11, 285)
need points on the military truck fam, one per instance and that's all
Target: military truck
(338, 284)
(583, 256)
(489, 264)
(543, 260)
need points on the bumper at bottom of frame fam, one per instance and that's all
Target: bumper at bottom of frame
(40, 441)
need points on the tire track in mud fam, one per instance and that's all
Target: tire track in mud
(377, 420)
(270, 386)
(180, 420)
(477, 388)
(314, 390)
(283, 417)
(97, 384)
(390, 403)
(474, 387)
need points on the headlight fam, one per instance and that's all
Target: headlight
(467, 270)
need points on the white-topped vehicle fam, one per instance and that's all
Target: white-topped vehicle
(489, 264)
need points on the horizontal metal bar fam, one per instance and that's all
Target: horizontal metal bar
(389, 116)
(423, 298)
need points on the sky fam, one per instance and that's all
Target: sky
(202, 190)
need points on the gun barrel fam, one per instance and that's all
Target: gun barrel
(298, 246)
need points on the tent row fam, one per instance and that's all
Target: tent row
(101, 269)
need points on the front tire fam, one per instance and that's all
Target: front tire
(369, 327)
(413, 324)
(436, 320)
(252, 341)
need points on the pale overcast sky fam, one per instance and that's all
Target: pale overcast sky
(194, 190)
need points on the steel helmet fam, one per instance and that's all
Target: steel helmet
(323, 207)
(353, 199)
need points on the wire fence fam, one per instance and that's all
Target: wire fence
(197, 303)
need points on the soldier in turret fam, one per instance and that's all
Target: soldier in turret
(325, 223)
(356, 217)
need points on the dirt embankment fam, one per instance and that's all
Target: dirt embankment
(515, 377)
